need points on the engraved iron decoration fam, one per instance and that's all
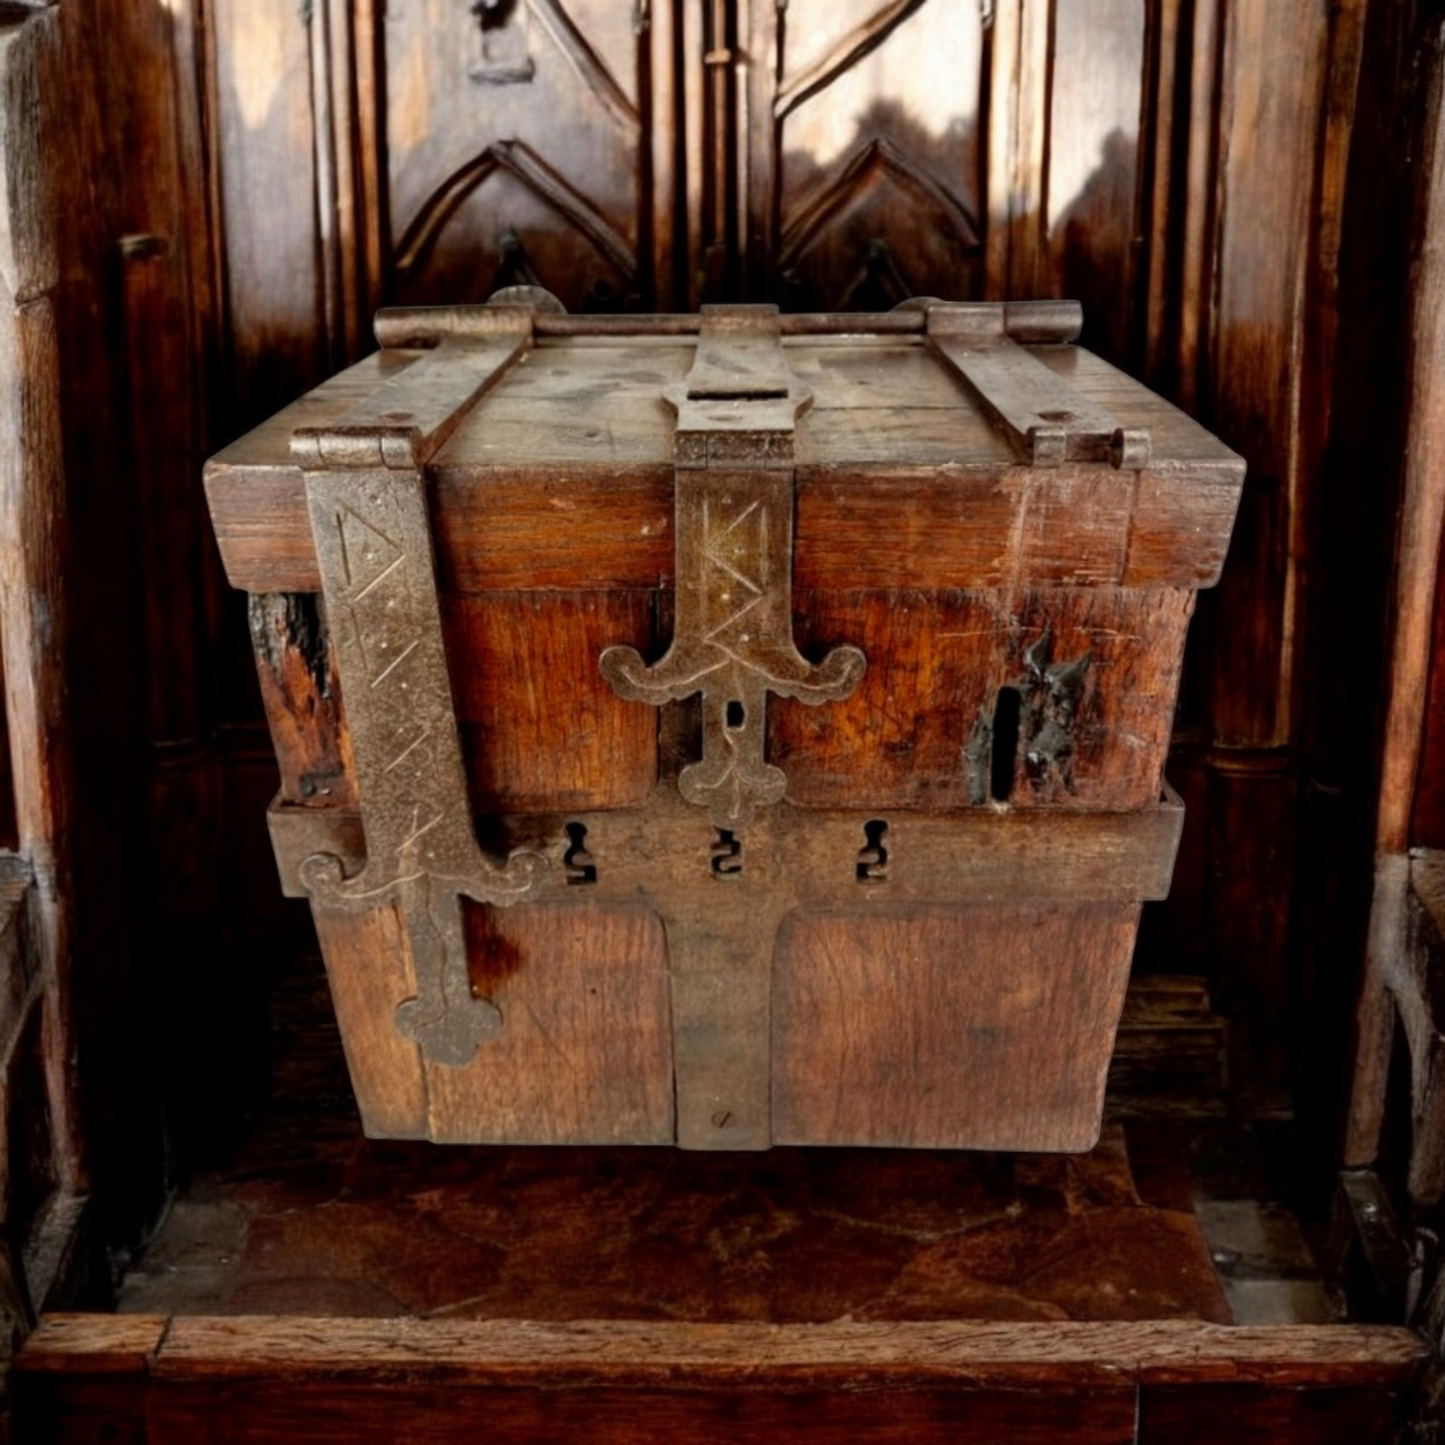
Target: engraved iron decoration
(367, 498)
(733, 640)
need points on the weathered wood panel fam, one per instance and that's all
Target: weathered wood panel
(861, 128)
(1262, 104)
(296, 667)
(38, 1083)
(541, 729)
(1389, 983)
(586, 1055)
(245, 1380)
(521, 148)
(1272, 109)
(264, 145)
(98, 1392)
(925, 727)
(935, 1029)
(370, 973)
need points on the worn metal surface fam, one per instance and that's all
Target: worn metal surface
(1030, 323)
(1049, 421)
(808, 856)
(733, 637)
(373, 543)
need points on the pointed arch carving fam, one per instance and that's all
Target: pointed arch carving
(518, 160)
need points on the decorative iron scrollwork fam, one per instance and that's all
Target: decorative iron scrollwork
(367, 499)
(733, 639)
(374, 545)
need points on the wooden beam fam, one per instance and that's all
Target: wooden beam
(625, 1381)
(34, 550)
(1421, 531)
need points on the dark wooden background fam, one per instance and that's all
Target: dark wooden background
(233, 186)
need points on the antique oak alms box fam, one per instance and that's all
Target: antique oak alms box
(726, 730)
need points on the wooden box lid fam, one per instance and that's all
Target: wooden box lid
(560, 475)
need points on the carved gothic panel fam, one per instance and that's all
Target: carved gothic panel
(864, 176)
(520, 138)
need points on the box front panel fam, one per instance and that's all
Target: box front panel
(541, 730)
(983, 1027)
(1031, 697)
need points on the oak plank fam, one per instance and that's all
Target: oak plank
(585, 1055)
(570, 529)
(260, 1378)
(1268, 126)
(939, 1029)
(36, 552)
(541, 728)
(936, 664)
(93, 1344)
(1017, 128)
(986, 1354)
(274, 299)
(1097, 147)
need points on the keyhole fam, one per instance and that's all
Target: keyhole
(1005, 743)
(577, 861)
(873, 856)
(727, 854)
(737, 714)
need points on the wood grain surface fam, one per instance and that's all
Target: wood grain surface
(586, 1055)
(541, 729)
(1409, 766)
(258, 1379)
(370, 973)
(44, 1145)
(936, 665)
(561, 477)
(884, 1027)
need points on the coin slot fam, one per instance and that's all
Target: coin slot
(1006, 714)
(579, 864)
